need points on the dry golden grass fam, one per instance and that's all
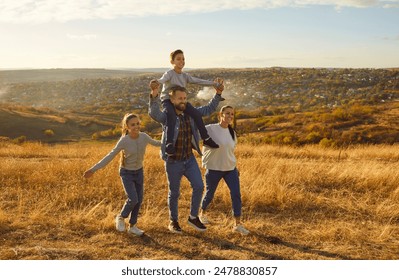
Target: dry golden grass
(299, 203)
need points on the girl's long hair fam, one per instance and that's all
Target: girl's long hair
(125, 131)
(125, 120)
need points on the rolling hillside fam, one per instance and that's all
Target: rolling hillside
(289, 106)
(20, 121)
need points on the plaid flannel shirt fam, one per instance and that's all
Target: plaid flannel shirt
(183, 144)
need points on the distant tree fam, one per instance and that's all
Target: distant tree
(325, 143)
(313, 137)
(20, 139)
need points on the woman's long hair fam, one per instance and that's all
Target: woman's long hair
(230, 127)
(125, 131)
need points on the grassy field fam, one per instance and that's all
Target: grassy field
(299, 203)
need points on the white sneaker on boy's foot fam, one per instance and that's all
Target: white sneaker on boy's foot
(241, 229)
(135, 230)
(120, 223)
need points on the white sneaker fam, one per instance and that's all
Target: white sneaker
(120, 223)
(135, 230)
(204, 220)
(240, 229)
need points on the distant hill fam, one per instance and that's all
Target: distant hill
(53, 75)
(17, 121)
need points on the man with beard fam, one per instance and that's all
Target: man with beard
(182, 162)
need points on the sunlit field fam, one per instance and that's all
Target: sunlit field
(299, 203)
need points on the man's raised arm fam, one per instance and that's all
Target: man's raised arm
(213, 103)
(153, 109)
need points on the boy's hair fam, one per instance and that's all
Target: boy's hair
(173, 90)
(174, 53)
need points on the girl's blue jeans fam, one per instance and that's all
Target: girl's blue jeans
(132, 181)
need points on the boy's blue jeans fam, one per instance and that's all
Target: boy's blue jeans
(175, 170)
(212, 179)
(132, 181)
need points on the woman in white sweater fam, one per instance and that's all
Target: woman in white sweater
(221, 163)
(132, 144)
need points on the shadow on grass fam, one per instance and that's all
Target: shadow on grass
(304, 249)
(165, 242)
(224, 244)
(189, 246)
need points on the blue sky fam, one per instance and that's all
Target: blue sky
(226, 33)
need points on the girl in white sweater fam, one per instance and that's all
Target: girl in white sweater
(132, 144)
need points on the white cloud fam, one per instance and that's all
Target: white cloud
(40, 11)
(391, 38)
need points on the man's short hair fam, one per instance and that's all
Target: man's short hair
(174, 89)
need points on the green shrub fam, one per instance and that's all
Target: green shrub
(19, 140)
(325, 143)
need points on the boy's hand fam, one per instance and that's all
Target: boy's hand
(219, 81)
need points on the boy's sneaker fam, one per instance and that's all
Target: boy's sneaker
(170, 149)
(196, 223)
(210, 143)
(174, 227)
(135, 230)
(204, 219)
(120, 223)
(240, 229)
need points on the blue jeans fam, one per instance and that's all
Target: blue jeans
(132, 181)
(175, 170)
(213, 177)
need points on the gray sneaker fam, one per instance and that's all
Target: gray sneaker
(135, 230)
(240, 229)
(120, 223)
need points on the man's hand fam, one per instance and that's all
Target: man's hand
(154, 85)
(219, 85)
(219, 89)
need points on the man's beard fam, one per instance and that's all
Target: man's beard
(180, 106)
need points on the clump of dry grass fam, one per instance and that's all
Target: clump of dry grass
(299, 203)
